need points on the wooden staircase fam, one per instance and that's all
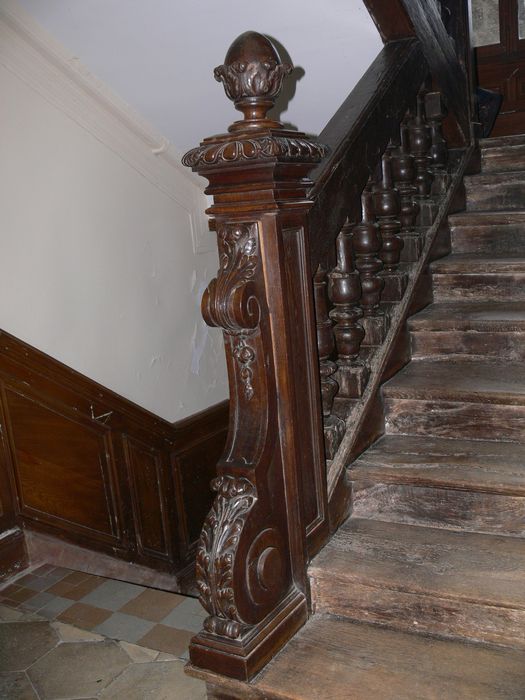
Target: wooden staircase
(432, 557)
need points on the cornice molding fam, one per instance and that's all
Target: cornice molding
(30, 53)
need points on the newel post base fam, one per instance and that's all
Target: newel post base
(270, 509)
(243, 658)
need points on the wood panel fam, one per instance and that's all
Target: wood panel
(85, 465)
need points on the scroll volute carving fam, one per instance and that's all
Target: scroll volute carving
(229, 301)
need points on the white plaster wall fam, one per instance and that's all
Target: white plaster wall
(97, 267)
(159, 55)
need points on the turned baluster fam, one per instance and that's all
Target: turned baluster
(367, 243)
(404, 173)
(344, 291)
(325, 342)
(387, 208)
(419, 137)
(436, 112)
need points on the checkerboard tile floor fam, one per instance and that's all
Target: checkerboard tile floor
(158, 620)
(66, 635)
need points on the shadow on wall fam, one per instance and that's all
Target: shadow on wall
(289, 85)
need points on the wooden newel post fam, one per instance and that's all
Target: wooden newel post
(270, 509)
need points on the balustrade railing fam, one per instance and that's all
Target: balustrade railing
(311, 273)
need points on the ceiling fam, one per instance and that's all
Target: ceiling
(159, 55)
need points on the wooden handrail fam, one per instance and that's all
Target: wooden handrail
(356, 136)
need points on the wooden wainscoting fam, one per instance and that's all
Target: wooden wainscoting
(85, 465)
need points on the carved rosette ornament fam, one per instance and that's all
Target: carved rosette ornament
(216, 553)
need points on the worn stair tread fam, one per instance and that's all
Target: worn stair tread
(462, 566)
(487, 218)
(334, 658)
(459, 380)
(494, 178)
(475, 263)
(468, 465)
(471, 315)
(501, 141)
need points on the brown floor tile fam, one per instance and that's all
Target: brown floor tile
(21, 595)
(152, 605)
(84, 588)
(85, 616)
(11, 603)
(76, 587)
(60, 588)
(76, 577)
(168, 639)
(10, 589)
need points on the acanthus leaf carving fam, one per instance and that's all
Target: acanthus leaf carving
(252, 78)
(229, 301)
(217, 551)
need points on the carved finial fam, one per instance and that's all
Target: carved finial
(252, 75)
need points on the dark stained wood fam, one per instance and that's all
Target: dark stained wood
(198, 443)
(345, 292)
(85, 465)
(449, 74)
(387, 208)
(13, 553)
(271, 497)
(357, 136)
(500, 68)
(390, 18)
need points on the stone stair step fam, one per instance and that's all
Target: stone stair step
(470, 329)
(478, 400)
(491, 233)
(479, 277)
(342, 660)
(489, 191)
(435, 581)
(459, 484)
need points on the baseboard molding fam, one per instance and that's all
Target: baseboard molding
(13, 553)
(85, 467)
(43, 549)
